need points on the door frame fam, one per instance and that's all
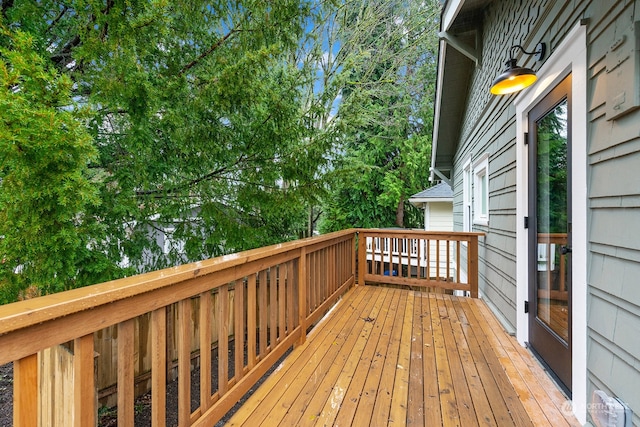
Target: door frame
(570, 56)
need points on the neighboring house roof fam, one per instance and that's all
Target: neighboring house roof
(438, 193)
(460, 35)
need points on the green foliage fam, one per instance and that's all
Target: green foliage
(122, 120)
(383, 123)
(44, 180)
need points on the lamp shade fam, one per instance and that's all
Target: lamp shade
(513, 79)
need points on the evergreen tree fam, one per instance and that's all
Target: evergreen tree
(385, 116)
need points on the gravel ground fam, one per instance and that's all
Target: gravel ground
(6, 395)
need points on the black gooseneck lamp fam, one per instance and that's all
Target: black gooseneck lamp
(516, 78)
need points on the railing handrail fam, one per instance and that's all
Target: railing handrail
(35, 312)
(408, 233)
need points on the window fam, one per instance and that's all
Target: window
(481, 190)
(466, 196)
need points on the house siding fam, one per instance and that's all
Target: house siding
(614, 211)
(438, 216)
(613, 174)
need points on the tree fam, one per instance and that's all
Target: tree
(188, 119)
(385, 115)
(46, 185)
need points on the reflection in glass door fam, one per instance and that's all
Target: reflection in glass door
(552, 220)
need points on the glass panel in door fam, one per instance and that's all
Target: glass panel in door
(552, 215)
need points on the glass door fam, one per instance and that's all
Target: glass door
(550, 231)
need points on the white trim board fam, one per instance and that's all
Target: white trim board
(569, 56)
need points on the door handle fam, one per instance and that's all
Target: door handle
(565, 250)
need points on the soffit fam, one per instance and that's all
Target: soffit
(454, 75)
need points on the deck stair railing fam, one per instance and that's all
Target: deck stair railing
(257, 304)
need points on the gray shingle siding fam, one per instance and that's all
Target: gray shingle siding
(614, 222)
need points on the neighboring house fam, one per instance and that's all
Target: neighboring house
(437, 202)
(551, 174)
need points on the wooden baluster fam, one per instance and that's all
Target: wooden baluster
(282, 272)
(338, 261)
(205, 350)
(273, 308)
(302, 294)
(457, 261)
(238, 295)
(126, 374)
(341, 258)
(419, 266)
(251, 320)
(375, 243)
(324, 275)
(427, 253)
(438, 260)
(292, 317)
(448, 261)
(317, 279)
(310, 281)
(84, 390)
(158, 367)
(184, 362)
(264, 313)
(223, 340)
(353, 256)
(407, 253)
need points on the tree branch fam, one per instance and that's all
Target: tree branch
(194, 181)
(57, 18)
(207, 52)
(63, 57)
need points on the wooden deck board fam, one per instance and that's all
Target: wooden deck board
(367, 406)
(397, 357)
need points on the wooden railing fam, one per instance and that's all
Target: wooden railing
(258, 303)
(444, 260)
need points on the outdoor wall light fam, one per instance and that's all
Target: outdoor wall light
(516, 78)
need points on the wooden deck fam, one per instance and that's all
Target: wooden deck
(396, 357)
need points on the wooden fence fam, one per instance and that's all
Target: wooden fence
(251, 307)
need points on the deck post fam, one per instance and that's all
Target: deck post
(354, 259)
(25, 391)
(472, 259)
(362, 257)
(302, 295)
